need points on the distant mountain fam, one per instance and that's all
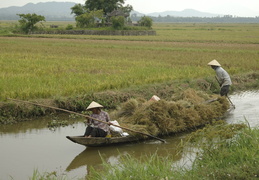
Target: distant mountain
(50, 10)
(184, 13)
(136, 13)
(61, 11)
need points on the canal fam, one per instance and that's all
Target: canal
(30, 146)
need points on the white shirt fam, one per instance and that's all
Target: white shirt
(223, 76)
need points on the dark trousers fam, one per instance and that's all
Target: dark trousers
(224, 90)
(95, 132)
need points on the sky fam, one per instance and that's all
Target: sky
(244, 8)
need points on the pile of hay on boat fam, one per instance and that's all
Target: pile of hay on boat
(186, 110)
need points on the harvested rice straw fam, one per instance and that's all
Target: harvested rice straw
(183, 112)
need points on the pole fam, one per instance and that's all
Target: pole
(86, 116)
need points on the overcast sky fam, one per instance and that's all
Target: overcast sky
(244, 8)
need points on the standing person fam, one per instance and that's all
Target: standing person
(97, 128)
(222, 76)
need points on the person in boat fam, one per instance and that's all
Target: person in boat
(222, 76)
(96, 128)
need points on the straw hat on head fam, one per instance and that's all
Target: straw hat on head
(154, 98)
(214, 63)
(94, 105)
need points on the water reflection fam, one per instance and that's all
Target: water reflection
(33, 125)
(94, 156)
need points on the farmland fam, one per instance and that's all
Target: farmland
(70, 69)
(50, 66)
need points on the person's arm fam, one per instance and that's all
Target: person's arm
(88, 121)
(108, 119)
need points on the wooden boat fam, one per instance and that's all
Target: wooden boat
(104, 141)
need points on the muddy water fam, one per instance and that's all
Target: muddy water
(31, 145)
(246, 108)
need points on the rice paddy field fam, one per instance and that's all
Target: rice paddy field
(51, 66)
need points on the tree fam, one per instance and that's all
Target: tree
(118, 22)
(146, 21)
(127, 9)
(88, 19)
(78, 9)
(84, 15)
(107, 6)
(28, 21)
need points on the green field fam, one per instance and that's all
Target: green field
(49, 66)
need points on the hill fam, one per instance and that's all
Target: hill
(61, 11)
(53, 11)
(184, 13)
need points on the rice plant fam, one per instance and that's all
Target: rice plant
(65, 65)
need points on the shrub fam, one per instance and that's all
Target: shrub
(146, 21)
(118, 22)
(69, 27)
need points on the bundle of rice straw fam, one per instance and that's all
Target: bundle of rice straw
(184, 111)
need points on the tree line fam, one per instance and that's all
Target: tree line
(223, 19)
(94, 13)
(113, 13)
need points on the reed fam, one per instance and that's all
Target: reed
(234, 157)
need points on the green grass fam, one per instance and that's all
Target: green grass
(49, 66)
(233, 157)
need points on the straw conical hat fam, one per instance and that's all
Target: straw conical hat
(214, 63)
(155, 98)
(94, 105)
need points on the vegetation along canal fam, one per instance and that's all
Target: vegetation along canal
(30, 146)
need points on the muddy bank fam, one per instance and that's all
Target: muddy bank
(11, 112)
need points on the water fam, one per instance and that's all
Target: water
(31, 145)
(246, 108)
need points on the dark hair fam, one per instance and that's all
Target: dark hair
(214, 67)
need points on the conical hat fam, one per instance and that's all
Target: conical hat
(94, 105)
(155, 98)
(214, 63)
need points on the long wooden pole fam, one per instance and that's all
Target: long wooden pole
(86, 116)
(226, 94)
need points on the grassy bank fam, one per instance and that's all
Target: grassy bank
(231, 155)
(69, 71)
(12, 112)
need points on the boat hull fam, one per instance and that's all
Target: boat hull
(103, 141)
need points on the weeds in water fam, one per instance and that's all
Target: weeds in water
(47, 176)
(54, 124)
(150, 167)
(234, 157)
